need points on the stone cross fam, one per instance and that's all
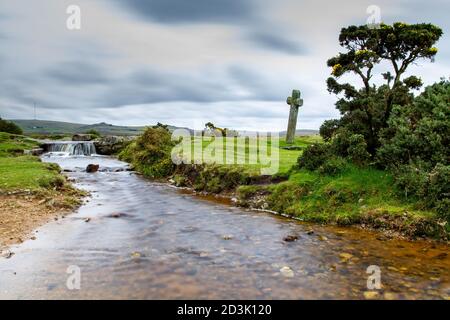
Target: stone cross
(295, 102)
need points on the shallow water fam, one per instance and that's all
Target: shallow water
(149, 240)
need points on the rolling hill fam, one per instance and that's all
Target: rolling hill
(58, 127)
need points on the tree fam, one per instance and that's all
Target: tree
(366, 110)
(9, 127)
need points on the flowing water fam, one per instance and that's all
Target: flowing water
(71, 148)
(148, 240)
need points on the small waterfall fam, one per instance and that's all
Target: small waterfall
(73, 148)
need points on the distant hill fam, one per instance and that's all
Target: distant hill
(58, 127)
(302, 132)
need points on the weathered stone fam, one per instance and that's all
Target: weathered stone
(34, 152)
(295, 102)
(82, 137)
(109, 145)
(290, 238)
(91, 168)
(287, 272)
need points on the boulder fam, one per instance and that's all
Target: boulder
(109, 145)
(82, 137)
(91, 168)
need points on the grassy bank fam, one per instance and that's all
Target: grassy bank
(355, 195)
(31, 192)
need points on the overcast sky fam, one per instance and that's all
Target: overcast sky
(186, 62)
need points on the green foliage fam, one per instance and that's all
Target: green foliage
(314, 156)
(366, 110)
(150, 153)
(9, 127)
(416, 147)
(328, 129)
(333, 166)
(94, 133)
(420, 132)
(357, 150)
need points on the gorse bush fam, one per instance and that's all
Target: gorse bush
(357, 150)
(333, 166)
(9, 127)
(314, 156)
(419, 132)
(150, 153)
(416, 147)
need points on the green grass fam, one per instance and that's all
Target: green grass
(356, 196)
(287, 158)
(27, 173)
(12, 145)
(19, 172)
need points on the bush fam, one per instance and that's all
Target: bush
(150, 153)
(9, 127)
(420, 131)
(328, 129)
(357, 150)
(314, 156)
(94, 133)
(333, 166)
(431, 188)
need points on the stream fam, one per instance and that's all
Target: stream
(137, 239)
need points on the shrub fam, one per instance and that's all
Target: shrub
(314, 156)
(333, 166)
(9, 127)
(150, 153)
(328, 129)
(420, 131)
(94, 133)
(357, 150)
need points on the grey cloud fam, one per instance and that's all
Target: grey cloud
(78, 73)
(190, 11)
(277, 42)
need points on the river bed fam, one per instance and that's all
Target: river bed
(137, 239)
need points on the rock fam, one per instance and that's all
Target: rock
(227, 237)
(441, 256)
(370, 295)
(323, 238)
(117, 215)
(136, 255)
(287, 272)
(109, 145)
(310, 232)
(34, 152)
(91, 168)
(390, 296)
(82, 137)
(345, 257)
(290, 238)
(7, 254)
(87, 219)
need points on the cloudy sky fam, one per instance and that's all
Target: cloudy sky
(186, 62)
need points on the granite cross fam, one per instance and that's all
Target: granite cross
(295, 102)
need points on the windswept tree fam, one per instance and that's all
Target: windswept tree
(9, 127)
(366, 109)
